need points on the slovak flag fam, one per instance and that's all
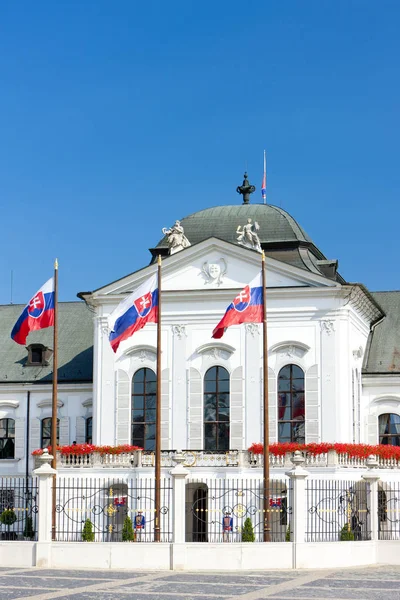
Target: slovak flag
(247, 307)
(134, 312)
(37, 314)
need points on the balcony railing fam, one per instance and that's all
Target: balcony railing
(210, 459)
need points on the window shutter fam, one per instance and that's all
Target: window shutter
(312, 405)
(80, 430)
(165, 440)
(123, 408)
(236, 410)
(20, 438)
(34, 441)
(64, 431)
(195, 410)
(272, 405)
(372, 430)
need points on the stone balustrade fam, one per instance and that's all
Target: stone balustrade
(203, 458)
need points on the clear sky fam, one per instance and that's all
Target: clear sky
(116, 118)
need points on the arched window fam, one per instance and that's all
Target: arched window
(389, 429)
(291, 411)
(46, 432)
(7, 438)
(144, 409)
(216, 409)
(89, 429)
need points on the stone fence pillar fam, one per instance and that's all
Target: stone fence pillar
(298, 476)
(372, 477)
(45, 474)
(179, 474)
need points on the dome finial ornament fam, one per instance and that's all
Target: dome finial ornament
(245, 189)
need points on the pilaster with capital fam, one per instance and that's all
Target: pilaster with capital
(178, 363)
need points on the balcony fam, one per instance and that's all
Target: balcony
(208, 459)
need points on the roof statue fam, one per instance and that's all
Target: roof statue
(248, 236)
(176, 238)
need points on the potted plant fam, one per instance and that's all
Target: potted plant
(8, 517)
(128, 535)
(248, 531)
(346, 534)
(87, 531)
(29, 531)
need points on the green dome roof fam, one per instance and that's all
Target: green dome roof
(276, 225)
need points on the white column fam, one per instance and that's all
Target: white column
(45, 474)
(298, 476)
(372, 478)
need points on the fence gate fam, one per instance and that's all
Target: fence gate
(216, 510)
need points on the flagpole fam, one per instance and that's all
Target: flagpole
(157, 464)
(54, 401)
(266, 506)
(265, 173)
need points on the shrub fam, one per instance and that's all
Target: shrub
(128, 535)
(248, 531)
(8, 517)
(287, 537)
(29, 532)
(346, 534)
(87, 531)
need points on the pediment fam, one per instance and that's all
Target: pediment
(214, 265)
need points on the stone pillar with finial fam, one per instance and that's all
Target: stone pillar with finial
(245, 189)
(45, 473)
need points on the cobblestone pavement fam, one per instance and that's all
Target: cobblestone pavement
(368, 583)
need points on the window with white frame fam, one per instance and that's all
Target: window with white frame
(389, 429)
(45, 433)
(216, 409)
(291, 408)
(144, 387)
(7, 438)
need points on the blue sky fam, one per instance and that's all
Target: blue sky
(117, 118)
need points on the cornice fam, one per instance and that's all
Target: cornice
(9, 403)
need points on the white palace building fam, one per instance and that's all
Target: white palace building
(334, 351)
(333, 376)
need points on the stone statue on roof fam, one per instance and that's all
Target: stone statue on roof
(176, 238)
(248, 236)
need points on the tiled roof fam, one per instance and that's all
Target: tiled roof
(276, 225)
(383, 351)
(75, 346)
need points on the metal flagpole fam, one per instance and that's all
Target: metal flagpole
(157, 465)
(265, 176)
(266, 506)
(54, 400)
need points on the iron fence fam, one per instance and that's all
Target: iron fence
(217, 510)
(18, 508)
(337, 510)
(389, 510)
(111, 510)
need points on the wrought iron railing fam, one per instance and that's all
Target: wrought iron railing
(18, 508)
(389, 510)
(212, 505)
(337, 510)
(103, 510)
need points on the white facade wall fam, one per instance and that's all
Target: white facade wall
(74, 401)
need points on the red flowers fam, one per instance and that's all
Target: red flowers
(353, 450)
(82, 449)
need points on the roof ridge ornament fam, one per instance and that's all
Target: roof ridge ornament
(245, 189)
(176, 238)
